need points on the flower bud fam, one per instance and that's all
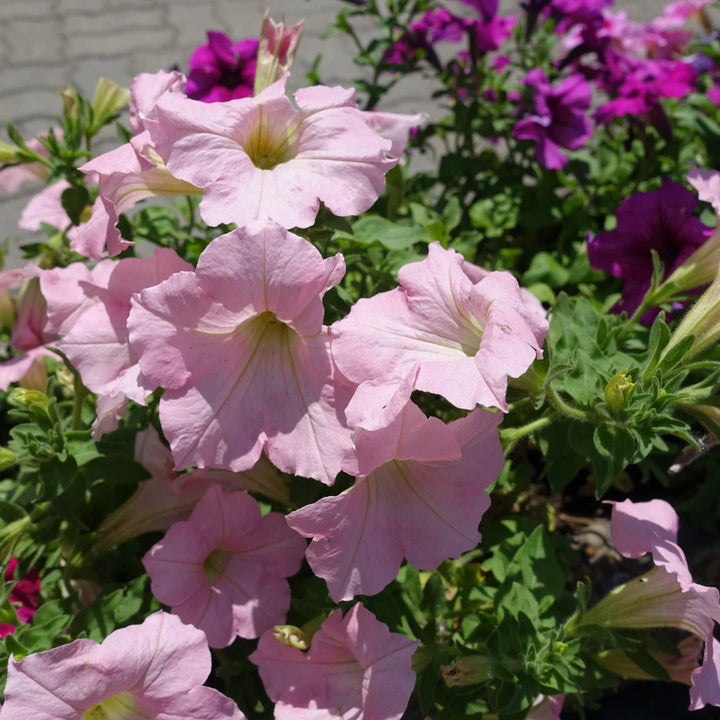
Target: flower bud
(7, 458)
(108, 99)
(8, 153)
(276, 52)
(617, 391)
(71, 102)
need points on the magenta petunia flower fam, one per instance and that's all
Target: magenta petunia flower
(154, 671)
(222, 70)
(24, 596)
(420, 495)
(558, 118)
(240, 347)
(355, 668)
(267, 157)
(640, 86)
(223, 570)
(660, 220)
(466, 337)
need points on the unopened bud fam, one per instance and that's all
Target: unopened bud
(276, 51)
(109, 98)
(8, 153)
(7, 458)
(617, 391)
(71, 102)
(29, 398)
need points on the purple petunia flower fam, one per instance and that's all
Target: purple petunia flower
(558, 118)
(642, 85)
(222, 70)
(660, 220)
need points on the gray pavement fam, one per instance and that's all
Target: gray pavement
(49, 44)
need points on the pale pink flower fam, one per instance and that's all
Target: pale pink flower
(14, 177)
(355, 669)
(169, 497)
(146, 89)
(125, 176)
(396, 127)
(546, 707)
(46, 207)
(88, 310)
(153, 671)
(420, 494)
(267, 157)
(224, 569)
(466, 337)
(240, 347)
(28, 335)
(667, 595)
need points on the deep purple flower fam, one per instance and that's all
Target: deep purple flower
(222, 70)
(557, 120)
(490, 35)
(660, 220)
(487, 8)
(434, 26)
(576, 12)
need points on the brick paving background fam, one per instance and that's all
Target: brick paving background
(49, 44)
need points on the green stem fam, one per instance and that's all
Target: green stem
(561, 406)
(512, 436)
(80, 394)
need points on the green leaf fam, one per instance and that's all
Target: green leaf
(615, 448)
(74, 201)
(393, 236)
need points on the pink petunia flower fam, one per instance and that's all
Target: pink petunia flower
(267, 157)
(28, 335)
(224, 569)
(420, 494)
(154, 671)
(667, 595)
(466, 337)
(240, 347)
(169, 497)
(355, 668)
(88, 310)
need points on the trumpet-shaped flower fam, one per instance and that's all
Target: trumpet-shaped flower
(240, 347)
(355, 668)
(466, 337)
(660, 220)
(224, 569)
(222, 70)
(667, 595)
(267, 157)
(153, 671)
(88, 309)
(420, 494)
(169, 497)
(558, 118)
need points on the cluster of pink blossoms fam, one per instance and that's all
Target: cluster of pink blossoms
(254, 383)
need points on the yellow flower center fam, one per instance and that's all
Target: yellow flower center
(118, 707)
(270, 144)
